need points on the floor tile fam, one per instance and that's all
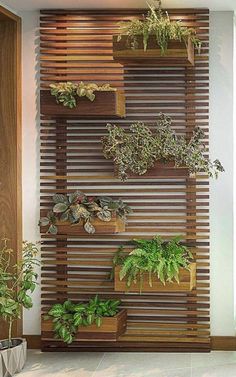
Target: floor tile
(215, 371)
(61, 364)
(213, 359)
(144, 365)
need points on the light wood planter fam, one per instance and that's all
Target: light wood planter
(177, 53)
(110, 329)
(105, 104)
(161, 170)
(187, 281)
(116, 225)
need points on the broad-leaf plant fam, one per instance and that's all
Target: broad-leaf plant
(69, 93)
(17, 282)
(156, 257)
(68, 317)
(78, 208)
(138, 149)
(157, 24)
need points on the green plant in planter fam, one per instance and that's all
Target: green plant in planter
(137, 150)
(69, 317)
(17, 282)
(77, 207)
(155, 257)
(67, 93)
(158, 24)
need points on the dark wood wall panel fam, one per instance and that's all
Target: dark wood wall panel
(77, 45)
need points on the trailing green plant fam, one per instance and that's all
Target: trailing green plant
(137, 150)
(77, 207)
(17, 282)
(68, 93)
(68, 317)
(156, 257)
(158, 24)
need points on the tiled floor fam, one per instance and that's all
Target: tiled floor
(215, 364)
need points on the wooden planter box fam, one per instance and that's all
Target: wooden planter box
(110, 329)
(106, 104)
(177, 53)
(116, 225)
(161, 170)
(187, 281)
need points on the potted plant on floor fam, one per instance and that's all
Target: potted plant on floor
(97, 320)
(141, 150)
(17, 282)
(155, 265)
(155, 38)
(78, 214)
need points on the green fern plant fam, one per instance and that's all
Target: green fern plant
(67, 93)
(77, 207)
(155, 257)
(137, 150)
(68, 317)
(158, 24)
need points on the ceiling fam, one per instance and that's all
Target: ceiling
(23, 5)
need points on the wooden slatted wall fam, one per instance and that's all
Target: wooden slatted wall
(77, 45)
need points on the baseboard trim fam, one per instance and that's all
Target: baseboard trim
(223, 343)
(218, 343)
(33, 341)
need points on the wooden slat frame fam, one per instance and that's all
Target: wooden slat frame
(77, 45)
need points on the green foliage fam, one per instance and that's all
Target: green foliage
(137, 150)
(69, 317)
(17, 282)
(77, 207)
(155, 257)
(157, 23)
(67, 93)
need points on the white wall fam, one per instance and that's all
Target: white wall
(221, 191)
(221, 139)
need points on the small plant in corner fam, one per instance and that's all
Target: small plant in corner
(17, 282)
(68, 93)
(77, 207)
(158, 24)
(156, 257)
(68, 317)
(137, 150)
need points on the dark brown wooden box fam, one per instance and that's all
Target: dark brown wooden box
(105, 104)
(177, 53)
(110, 329)
(187, 281)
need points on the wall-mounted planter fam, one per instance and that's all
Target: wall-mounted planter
(106, 104)
(116, 225)
(177, 54)
(161, 170)
(110, 329)
(187, 281)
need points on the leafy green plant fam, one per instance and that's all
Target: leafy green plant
(67, 93)
(155, 257)
(158, 24)
(137, 150)
(77, 207)
(69, 317)
(17, 282)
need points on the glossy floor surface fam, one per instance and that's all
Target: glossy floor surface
(215, 364)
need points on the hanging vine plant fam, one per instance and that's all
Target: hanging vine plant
(158, 24)
(78, 208)
(137, 150)
(68, 93)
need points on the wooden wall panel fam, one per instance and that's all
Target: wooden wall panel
(77, 45)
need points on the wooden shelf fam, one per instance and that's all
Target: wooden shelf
(116, 225)
(110, 329)
(177, 54)
(106, 104)
(187, 281)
